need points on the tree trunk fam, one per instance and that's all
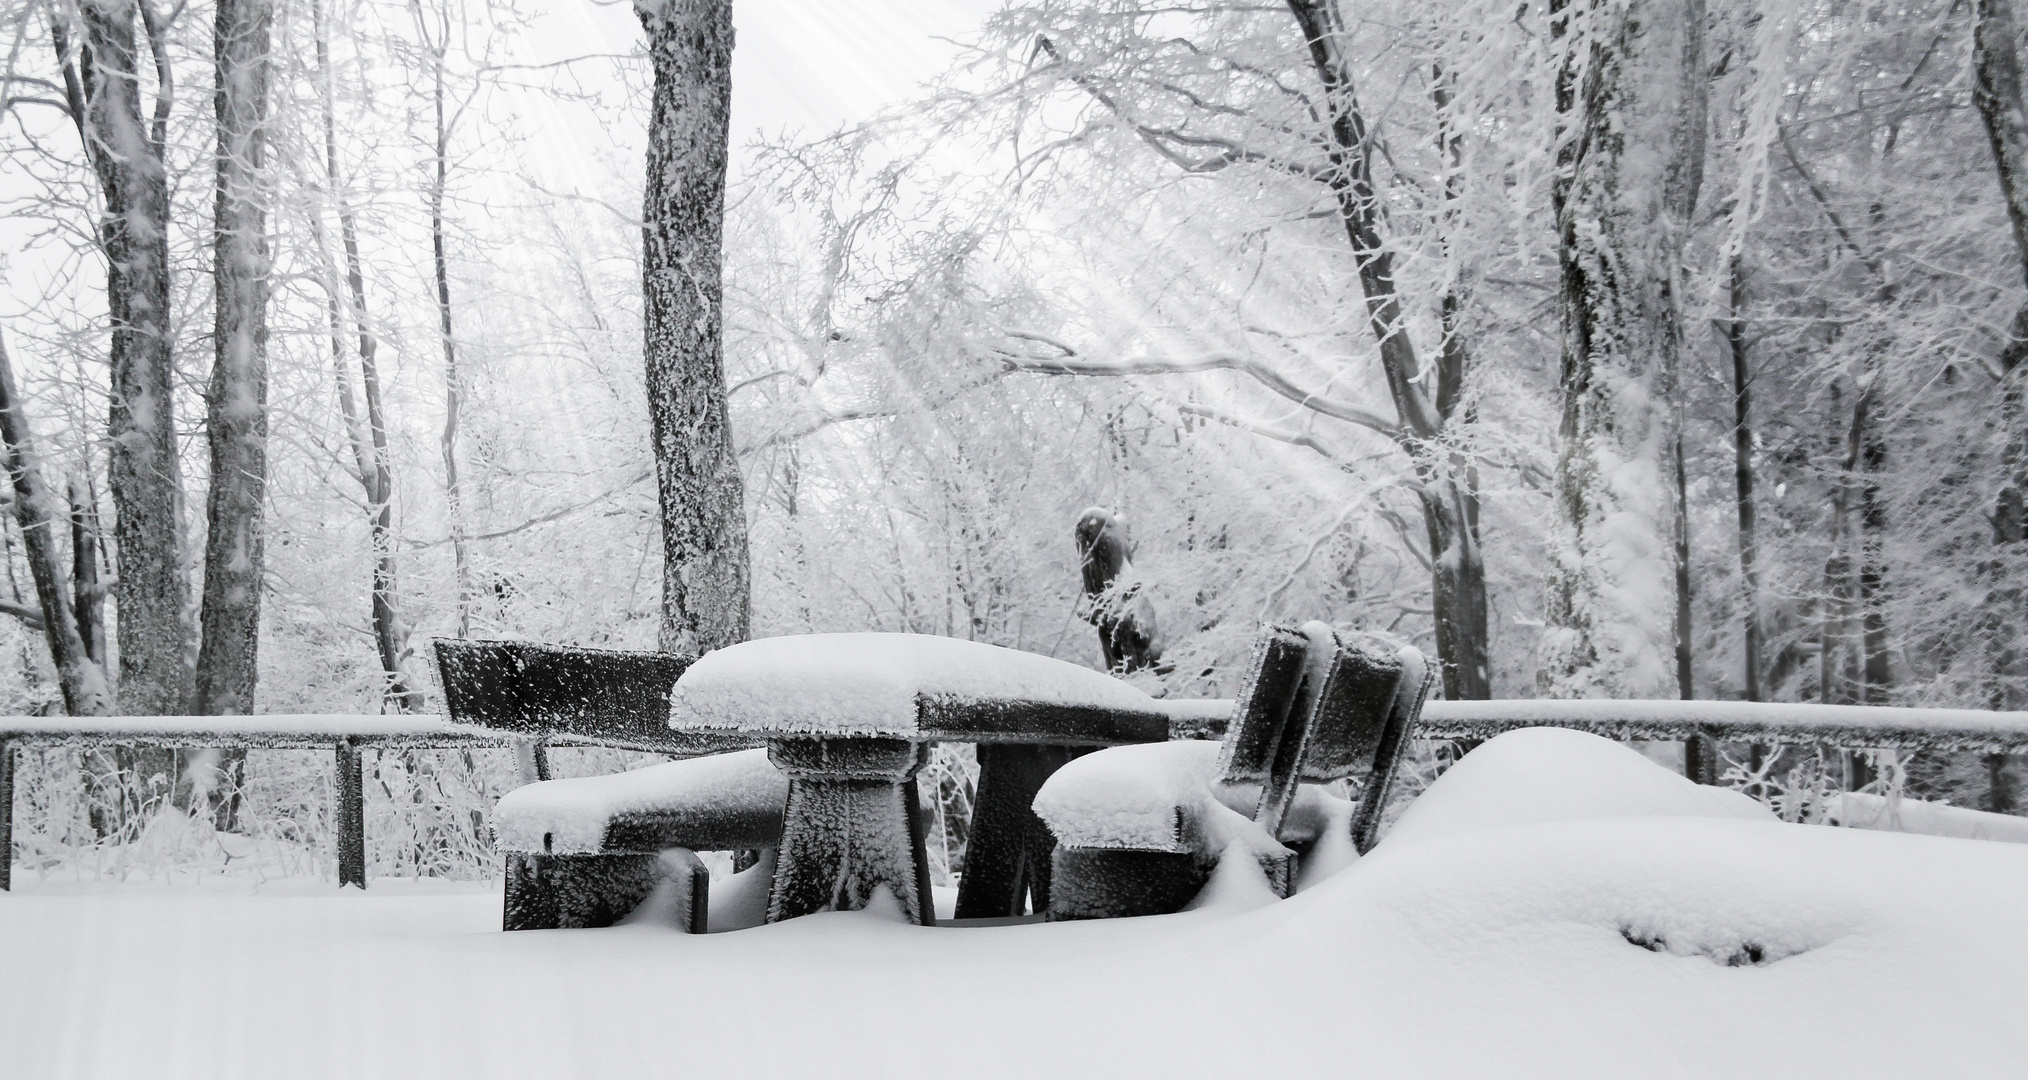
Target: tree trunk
(1631, 102)
(88, 597)
(375, 465)
(1997, 91)
(1742, 473)
(461, 555)
(82, 682)
(705, 587)
(1458, 573)
(144, 476)
(236, 419)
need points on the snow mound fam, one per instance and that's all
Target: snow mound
(1552, 774)
(1863, 810)
(569, 817)
(869, 684)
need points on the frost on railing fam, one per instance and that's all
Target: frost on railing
(429, 785)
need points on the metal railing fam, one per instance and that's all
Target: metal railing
(1846, 726)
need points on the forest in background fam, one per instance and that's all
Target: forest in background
(1116, 255)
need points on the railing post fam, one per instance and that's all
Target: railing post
(351, 798)
(6, 815)
(1700, 759)
(531, 760)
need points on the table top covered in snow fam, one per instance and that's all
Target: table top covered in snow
(914, 686)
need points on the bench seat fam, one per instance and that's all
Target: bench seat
(587, 851)
(718, 803)
(1167, 797)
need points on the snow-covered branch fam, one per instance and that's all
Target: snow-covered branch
(1072, 362)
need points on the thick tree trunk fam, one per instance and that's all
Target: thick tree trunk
(1997, 91)
(82, 682)
(1631, 101)
(237, 416)
(1458, 573)
(236, 419)
(144, 477)
(375, 465)
(705, 588)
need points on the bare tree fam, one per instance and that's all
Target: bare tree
(1631, 107)
(82, 681)
(103, 84)
(373, 463)
(236, 420)
(1997, 66)
(705, 585)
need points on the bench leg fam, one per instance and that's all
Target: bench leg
(1097, 883)
(1007, 851)
(852, 828)
(569, 892)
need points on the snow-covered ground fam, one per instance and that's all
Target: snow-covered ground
(1698, 938)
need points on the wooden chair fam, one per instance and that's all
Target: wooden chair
(1139, 829)
(585, 852)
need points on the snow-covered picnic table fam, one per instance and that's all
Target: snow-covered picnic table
(849, 718)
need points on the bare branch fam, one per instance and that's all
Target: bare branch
(1073, 363)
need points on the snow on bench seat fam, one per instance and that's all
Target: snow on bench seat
(911, 686)
(715, 803)
(1166, 797)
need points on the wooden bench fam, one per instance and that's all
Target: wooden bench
(1139, 829)
(585, 852)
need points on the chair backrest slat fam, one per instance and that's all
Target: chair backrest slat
(1317, 707)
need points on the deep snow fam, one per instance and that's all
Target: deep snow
(1494, 945)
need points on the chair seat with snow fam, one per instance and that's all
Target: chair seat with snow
(1139, 829)
(585, 852)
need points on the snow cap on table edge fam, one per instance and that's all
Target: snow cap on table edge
(868, 683)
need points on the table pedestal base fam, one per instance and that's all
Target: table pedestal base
(852, 827)
(1007, 851)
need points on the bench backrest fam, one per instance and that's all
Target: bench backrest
(1318, 707)
(609, 697)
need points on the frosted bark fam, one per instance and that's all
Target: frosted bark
(1997, 63)
(145, 477)
(704, 546)
(1631, 101)
(1458, 573)
(82, 682)
(237, 413)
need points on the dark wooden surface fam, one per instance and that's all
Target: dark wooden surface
(350, 787)
(1007, 853)
(553, 693)
(851, 829)
(951, 719)
(6, 815)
